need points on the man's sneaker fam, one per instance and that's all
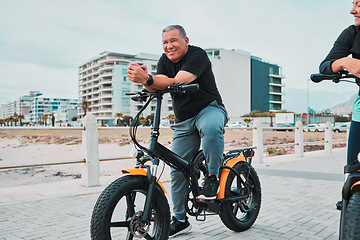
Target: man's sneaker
(177, 227)
(210, 189)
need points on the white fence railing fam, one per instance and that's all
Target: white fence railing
(90, 149)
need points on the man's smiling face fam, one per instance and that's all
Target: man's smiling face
(355, 11)
(174, 45)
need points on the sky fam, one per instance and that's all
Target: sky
(43, 42)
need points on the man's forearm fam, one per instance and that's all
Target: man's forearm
(161, 82)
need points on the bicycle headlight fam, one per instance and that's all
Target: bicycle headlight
(135, 153)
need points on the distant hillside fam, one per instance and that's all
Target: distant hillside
(344, 108)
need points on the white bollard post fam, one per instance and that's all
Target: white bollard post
(91, 172)
(258, 141)
(299, 139)
(328, 138)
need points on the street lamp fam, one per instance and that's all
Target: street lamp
(307, 100)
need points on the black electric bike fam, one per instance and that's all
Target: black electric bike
(350, 203)
(135, 205)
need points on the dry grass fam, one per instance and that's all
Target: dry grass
(234, 138)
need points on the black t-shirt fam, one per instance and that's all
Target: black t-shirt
(187, 105)
(347, 43)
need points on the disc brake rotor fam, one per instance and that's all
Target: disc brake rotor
(138, 228)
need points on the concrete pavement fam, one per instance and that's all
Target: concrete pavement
(298, 202)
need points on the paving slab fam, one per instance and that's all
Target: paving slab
(298, 202)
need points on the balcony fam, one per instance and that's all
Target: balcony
(277, 84)
(277, 93)
(276, 75)
(109, 95)
(105, 111)
(106, 74)
(276, 101)
(88, 67)
(106, 90)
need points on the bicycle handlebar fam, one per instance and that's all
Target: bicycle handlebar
(336, 77)
(190, 87)
(142, 96)
(147, 97)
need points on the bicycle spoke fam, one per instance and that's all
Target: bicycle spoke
(120, 224)
(130, 199)
(147, 236)
(236, 208)
(129, 236)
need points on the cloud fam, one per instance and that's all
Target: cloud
(44, 41)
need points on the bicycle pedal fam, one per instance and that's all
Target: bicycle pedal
(339, 205)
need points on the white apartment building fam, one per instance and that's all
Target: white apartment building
(64, 116)
(246, 83)
(19, 106)
(232, 70)
(3, 108)
(103, 82)
(41, 105)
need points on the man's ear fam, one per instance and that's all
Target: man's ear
(186, 41)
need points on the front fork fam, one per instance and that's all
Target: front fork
(152, 181)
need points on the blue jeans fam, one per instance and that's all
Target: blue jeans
(208, 128)
(353, 143)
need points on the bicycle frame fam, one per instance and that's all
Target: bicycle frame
(157, 151)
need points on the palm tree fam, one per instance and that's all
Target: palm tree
(6, 121)
(21, 117)
(247, 121)
(85, 105)
(44, 118)
(120, 117)
(60, 122)
(16, 118)
(171, 118)
(11, 119)
(127, 120)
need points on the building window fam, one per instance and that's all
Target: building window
(213, 53)
(271, 70)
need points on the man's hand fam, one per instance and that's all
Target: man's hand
(137, 73)
(350, 64)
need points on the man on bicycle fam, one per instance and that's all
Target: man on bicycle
(200, 117)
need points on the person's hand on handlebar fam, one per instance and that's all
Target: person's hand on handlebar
(350, 64)
(137, 73)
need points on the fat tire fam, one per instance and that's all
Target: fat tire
(351, 228)
(228, 217)
(111, 196)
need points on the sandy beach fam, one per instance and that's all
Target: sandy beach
(21, 146)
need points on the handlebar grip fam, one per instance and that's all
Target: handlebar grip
(316, 78)
(191, 87)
